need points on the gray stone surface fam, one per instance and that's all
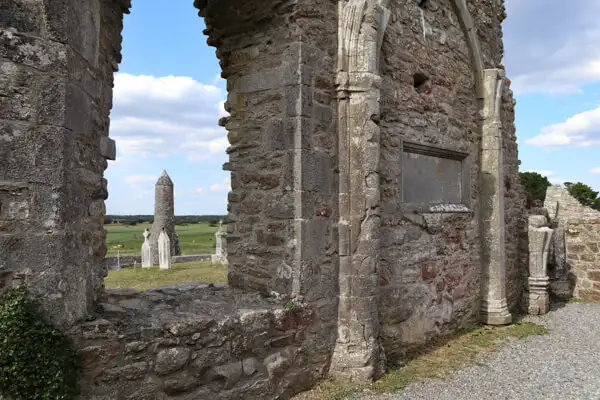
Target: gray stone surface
(430, 267)
(146, 257)
(429, 179)
(198, 341)
(576, 253)
(164, 250)
(540, 238)
(556, 366)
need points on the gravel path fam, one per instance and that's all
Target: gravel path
(563, 364)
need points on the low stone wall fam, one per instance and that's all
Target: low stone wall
(575, 259)
(200, 341)
(127, 261)
(583, 256)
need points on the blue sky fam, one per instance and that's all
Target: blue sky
(169, 96)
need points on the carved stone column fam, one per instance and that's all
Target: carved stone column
(494, 310)
(539, 246)
(357, 354)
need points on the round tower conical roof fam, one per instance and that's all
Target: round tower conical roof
(164, 179)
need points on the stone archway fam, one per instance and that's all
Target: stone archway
(60, 61)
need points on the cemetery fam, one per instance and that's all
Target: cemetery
(375, 204)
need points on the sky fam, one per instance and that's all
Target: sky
(168, 97)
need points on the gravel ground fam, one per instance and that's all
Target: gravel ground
(563, 364)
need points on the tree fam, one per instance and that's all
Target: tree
(535, 185)
(584, 193)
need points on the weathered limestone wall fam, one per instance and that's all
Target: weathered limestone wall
(283, 151)
(516, 216)
(198, 341)
(575, 260)
(324, 98)
(430, 262)
(53, 149)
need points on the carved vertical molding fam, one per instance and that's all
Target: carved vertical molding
(461, 10)
(539, 246)
(494, 309)
(357, 354)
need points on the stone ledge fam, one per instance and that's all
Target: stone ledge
(197, 339)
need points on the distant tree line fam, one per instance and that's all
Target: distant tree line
(536, 184)
(179, 220)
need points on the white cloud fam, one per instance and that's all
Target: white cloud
(551, 45)
(218, 187)
(199, 190)
(579, 130)
(542, 172)
(595, 171)
(164, 116)
(140, 178)
(558, 181)
(225, 185)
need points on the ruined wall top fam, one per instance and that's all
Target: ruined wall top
(563, 207)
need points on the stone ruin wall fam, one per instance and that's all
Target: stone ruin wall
(280, 60)
(430, 266)
(57, 61)
(578, 228)
(198, 341)
(282, 149)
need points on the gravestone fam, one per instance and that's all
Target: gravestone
(220, 256)
(146, 254)
(164, 250)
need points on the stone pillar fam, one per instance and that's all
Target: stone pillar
(164, 250)
(53, 150)
(539, 245)
(220, 256)
(560, 284)
(358, 354)
(494, 310)
(164, 216)
(146, 253)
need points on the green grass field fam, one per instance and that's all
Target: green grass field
(127, 240)
(146, 278)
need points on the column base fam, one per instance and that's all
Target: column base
(355, 359)
(538, 299)
(495, 313)
(538, 303)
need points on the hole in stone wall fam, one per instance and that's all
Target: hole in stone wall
(168, 122)
(421, 82)
(421, 3)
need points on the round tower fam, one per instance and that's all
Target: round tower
(164, 216)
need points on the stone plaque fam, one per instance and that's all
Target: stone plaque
(432, 176)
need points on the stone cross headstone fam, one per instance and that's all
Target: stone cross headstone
(220, 256)
(164, 250)
(146, 254)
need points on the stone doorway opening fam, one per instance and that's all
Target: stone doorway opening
(168, 98)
